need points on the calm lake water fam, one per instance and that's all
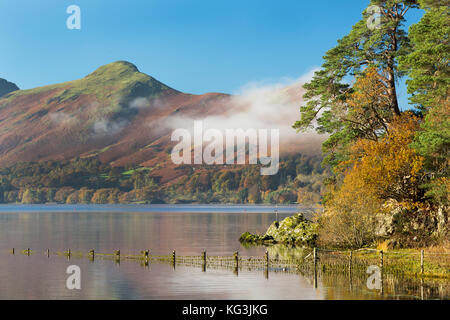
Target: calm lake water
(188, 229)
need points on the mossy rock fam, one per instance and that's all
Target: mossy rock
(292, 230)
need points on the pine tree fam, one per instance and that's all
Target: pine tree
(380, 47)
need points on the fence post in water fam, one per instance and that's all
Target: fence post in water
(204, 261)
(267, 258)
(117, 254)
(173, 258)
(28, 251)
(315, 257)
(13, 251)
(48, 253)
(315, 267)
(350, 261)
(92, 254)
(422, 253)
(381, 259)
(236, 267)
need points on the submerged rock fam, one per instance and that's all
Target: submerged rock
(292, 230)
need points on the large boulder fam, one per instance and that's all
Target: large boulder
(292, 230)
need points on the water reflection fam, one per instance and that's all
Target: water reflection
(43, 276)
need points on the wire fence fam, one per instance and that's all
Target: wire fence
(310, 261)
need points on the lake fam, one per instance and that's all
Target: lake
(188, 229)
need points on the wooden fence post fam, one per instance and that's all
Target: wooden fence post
(13, 251)
(204, 261)
(174, 257)
(350, 261)
(236, 257)
(381, 259)
(28, 251)
(117, 254)
(48, 253)
(422, 254)
(315, 266)
(92, 253)
(315, 257)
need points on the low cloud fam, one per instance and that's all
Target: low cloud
(108, 127)
(263, 105)
(140, 103)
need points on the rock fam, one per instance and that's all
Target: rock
(294, 230)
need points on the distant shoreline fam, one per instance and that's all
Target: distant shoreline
(192, 208)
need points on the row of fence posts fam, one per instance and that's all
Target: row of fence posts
(146, 254)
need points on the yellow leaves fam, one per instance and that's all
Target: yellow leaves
(377, 170)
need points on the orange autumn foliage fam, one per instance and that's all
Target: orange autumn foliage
(389, 167)
(375, 172)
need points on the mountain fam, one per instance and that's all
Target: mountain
(107, 137)
(113, 113)
(7, 87)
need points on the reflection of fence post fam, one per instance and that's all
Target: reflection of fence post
(422, 253)
(315, 267)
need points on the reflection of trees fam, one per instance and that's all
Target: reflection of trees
(343, 286)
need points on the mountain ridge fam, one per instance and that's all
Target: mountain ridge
(7, 87)
(108, 113)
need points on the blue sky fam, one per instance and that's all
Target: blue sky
(195, 46)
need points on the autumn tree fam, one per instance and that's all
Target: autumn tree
(375, 172)
(327, 93)
(389, 167)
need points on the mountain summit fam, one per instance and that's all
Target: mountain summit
(7, 87)
(115, 113)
